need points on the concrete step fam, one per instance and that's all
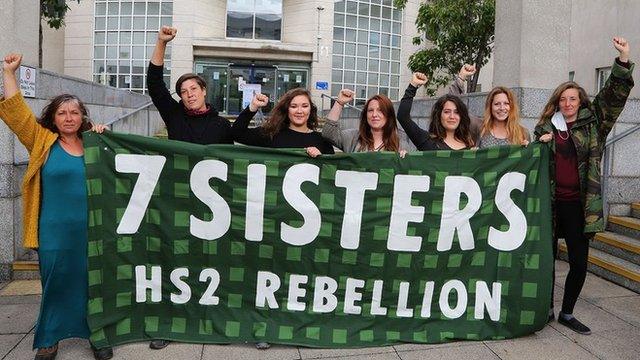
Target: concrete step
(618, 245)
(624, 225)
(635, 210)
(25, 270)
(607, 266)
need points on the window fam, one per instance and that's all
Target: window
(572, 75)
(254, 19)
(602, 74)
(366, 48)
(125, 33)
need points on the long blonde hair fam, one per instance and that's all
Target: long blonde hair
(516, 133)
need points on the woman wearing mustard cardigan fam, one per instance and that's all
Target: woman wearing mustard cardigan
(55, 208)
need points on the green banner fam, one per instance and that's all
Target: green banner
(222, 243)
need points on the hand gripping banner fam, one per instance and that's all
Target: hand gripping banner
(222, 243)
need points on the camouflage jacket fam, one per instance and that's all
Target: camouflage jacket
(589, 135)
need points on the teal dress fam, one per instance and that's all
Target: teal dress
(62, 236)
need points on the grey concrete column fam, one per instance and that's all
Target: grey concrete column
(19, 29)
(532, 43)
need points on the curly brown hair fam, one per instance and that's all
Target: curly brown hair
(47, 117)
(279, 118)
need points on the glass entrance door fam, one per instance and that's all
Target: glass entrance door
(216, 77)
(290, 78)
(230, 86)
(244, 81)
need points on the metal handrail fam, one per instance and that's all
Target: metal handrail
(140, 108)
(606, 167)
(322, 96)
(622, 135)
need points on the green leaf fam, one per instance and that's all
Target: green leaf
(458, 31)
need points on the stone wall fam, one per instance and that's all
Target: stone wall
(104, 103)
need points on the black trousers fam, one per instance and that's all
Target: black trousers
(570, 226)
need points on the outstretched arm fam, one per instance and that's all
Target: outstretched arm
(240, 128)
(13, 109)
(160, 95)
(331, 129)
(459, 84)
(345, 96)
(165, 34)
(610, 101)
(415, 133)
(10, 64)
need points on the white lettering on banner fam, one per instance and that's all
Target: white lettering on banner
(461, 304)
(202, 172)
(256, 185)
(455, 219)
(185, 291)
(267, 285)
(427, 298)
(149, 167)
(208, 297)
(485, 300)
(296, 292)
(293, 180)
(514, 237)
(355, 183)
(351, 296)
(376, 299)
(402, 212)
(154, 284)
(324, 298)
(403, 298)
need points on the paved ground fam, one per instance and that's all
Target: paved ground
(612, 312)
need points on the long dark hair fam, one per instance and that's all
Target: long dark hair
(390, 139)
(463, 132)
(47, 117)
(279, 119)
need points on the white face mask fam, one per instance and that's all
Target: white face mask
(558, 121)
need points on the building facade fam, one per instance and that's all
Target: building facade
(242, 46)
(323, 45)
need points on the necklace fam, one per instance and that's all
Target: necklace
(562, 137)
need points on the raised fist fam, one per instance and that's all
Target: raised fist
(167, 33)
(466, 71)
(622, 46)
(345, 96)
(418, 79)
(12, 62)
(258, 101)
